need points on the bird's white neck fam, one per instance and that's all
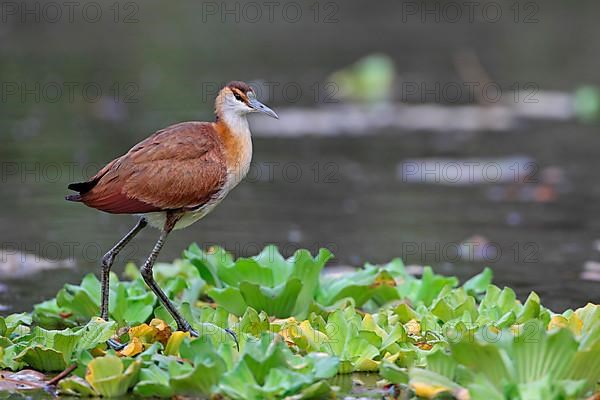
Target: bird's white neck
(237, 124)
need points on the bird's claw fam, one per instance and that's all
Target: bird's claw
(234, 336)
(116, 346)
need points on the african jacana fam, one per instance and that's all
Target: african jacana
(173, 178)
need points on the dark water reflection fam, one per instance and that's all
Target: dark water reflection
(349, 197)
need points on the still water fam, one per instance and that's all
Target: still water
(347, 193)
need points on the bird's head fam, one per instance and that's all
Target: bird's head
(238, 99)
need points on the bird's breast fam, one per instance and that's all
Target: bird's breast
(237, 147)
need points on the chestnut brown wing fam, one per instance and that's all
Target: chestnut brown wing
(181, 166)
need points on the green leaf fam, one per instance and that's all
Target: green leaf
(268, 369)
(307, 270)
(49, 315)
(12, 322)
(530, 310)
(76, 386)
(483, 357)
(48, 350)
(479, 283)
(208, 263)
(246, 270)
(537, 354)
(208, 364)
(586, 367)
(278, 301)
(431, 285)
(153, 382)
(440, 362)
(229, 298)
(240, 383)
(264, 355)
(43, 359)
(131, 308)
(271, 259)
(393, 373)
(96, 332)
(109, 378)
(84, 300)
(252, 323)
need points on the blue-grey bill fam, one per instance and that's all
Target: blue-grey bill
(260, 107)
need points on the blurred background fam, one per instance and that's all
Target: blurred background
(452, 134)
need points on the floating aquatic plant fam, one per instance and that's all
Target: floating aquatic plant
(297, 329)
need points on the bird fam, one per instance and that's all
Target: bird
(172, 179)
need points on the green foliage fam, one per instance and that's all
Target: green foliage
(131, 303)
(269, 369)
(266, 282)
(298, 329)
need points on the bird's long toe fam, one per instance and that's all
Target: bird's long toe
(117, 346)
(234, 336)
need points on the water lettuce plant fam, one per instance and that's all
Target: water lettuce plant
(299, 331)
(267, 282)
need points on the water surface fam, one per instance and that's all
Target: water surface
(338, 192)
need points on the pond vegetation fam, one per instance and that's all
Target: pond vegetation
(299, 330)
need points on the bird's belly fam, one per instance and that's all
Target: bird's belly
(157, 219)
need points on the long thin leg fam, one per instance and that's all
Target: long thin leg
(109, 258)
(146, 272)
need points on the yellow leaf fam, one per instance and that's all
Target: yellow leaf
(172, 348)
(290, 330)
(427, 391)
(97, 352)
(573, 323)
(391, 357)
(413, 327)
(516, 329)
(144, 332)
(134, 347)
(163, 330)
(302, 335)
(557, 322)
(366, 365)
(383, 279)
(315, 337)
(424, 345)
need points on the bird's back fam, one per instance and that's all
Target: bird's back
(180, 167)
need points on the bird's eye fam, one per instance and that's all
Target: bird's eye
(238, 96)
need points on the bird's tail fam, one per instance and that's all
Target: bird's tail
(82, 188)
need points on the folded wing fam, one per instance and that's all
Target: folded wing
(179, 167)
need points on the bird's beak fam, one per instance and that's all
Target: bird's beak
(260, 107)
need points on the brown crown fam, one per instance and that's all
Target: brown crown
(241, 86)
